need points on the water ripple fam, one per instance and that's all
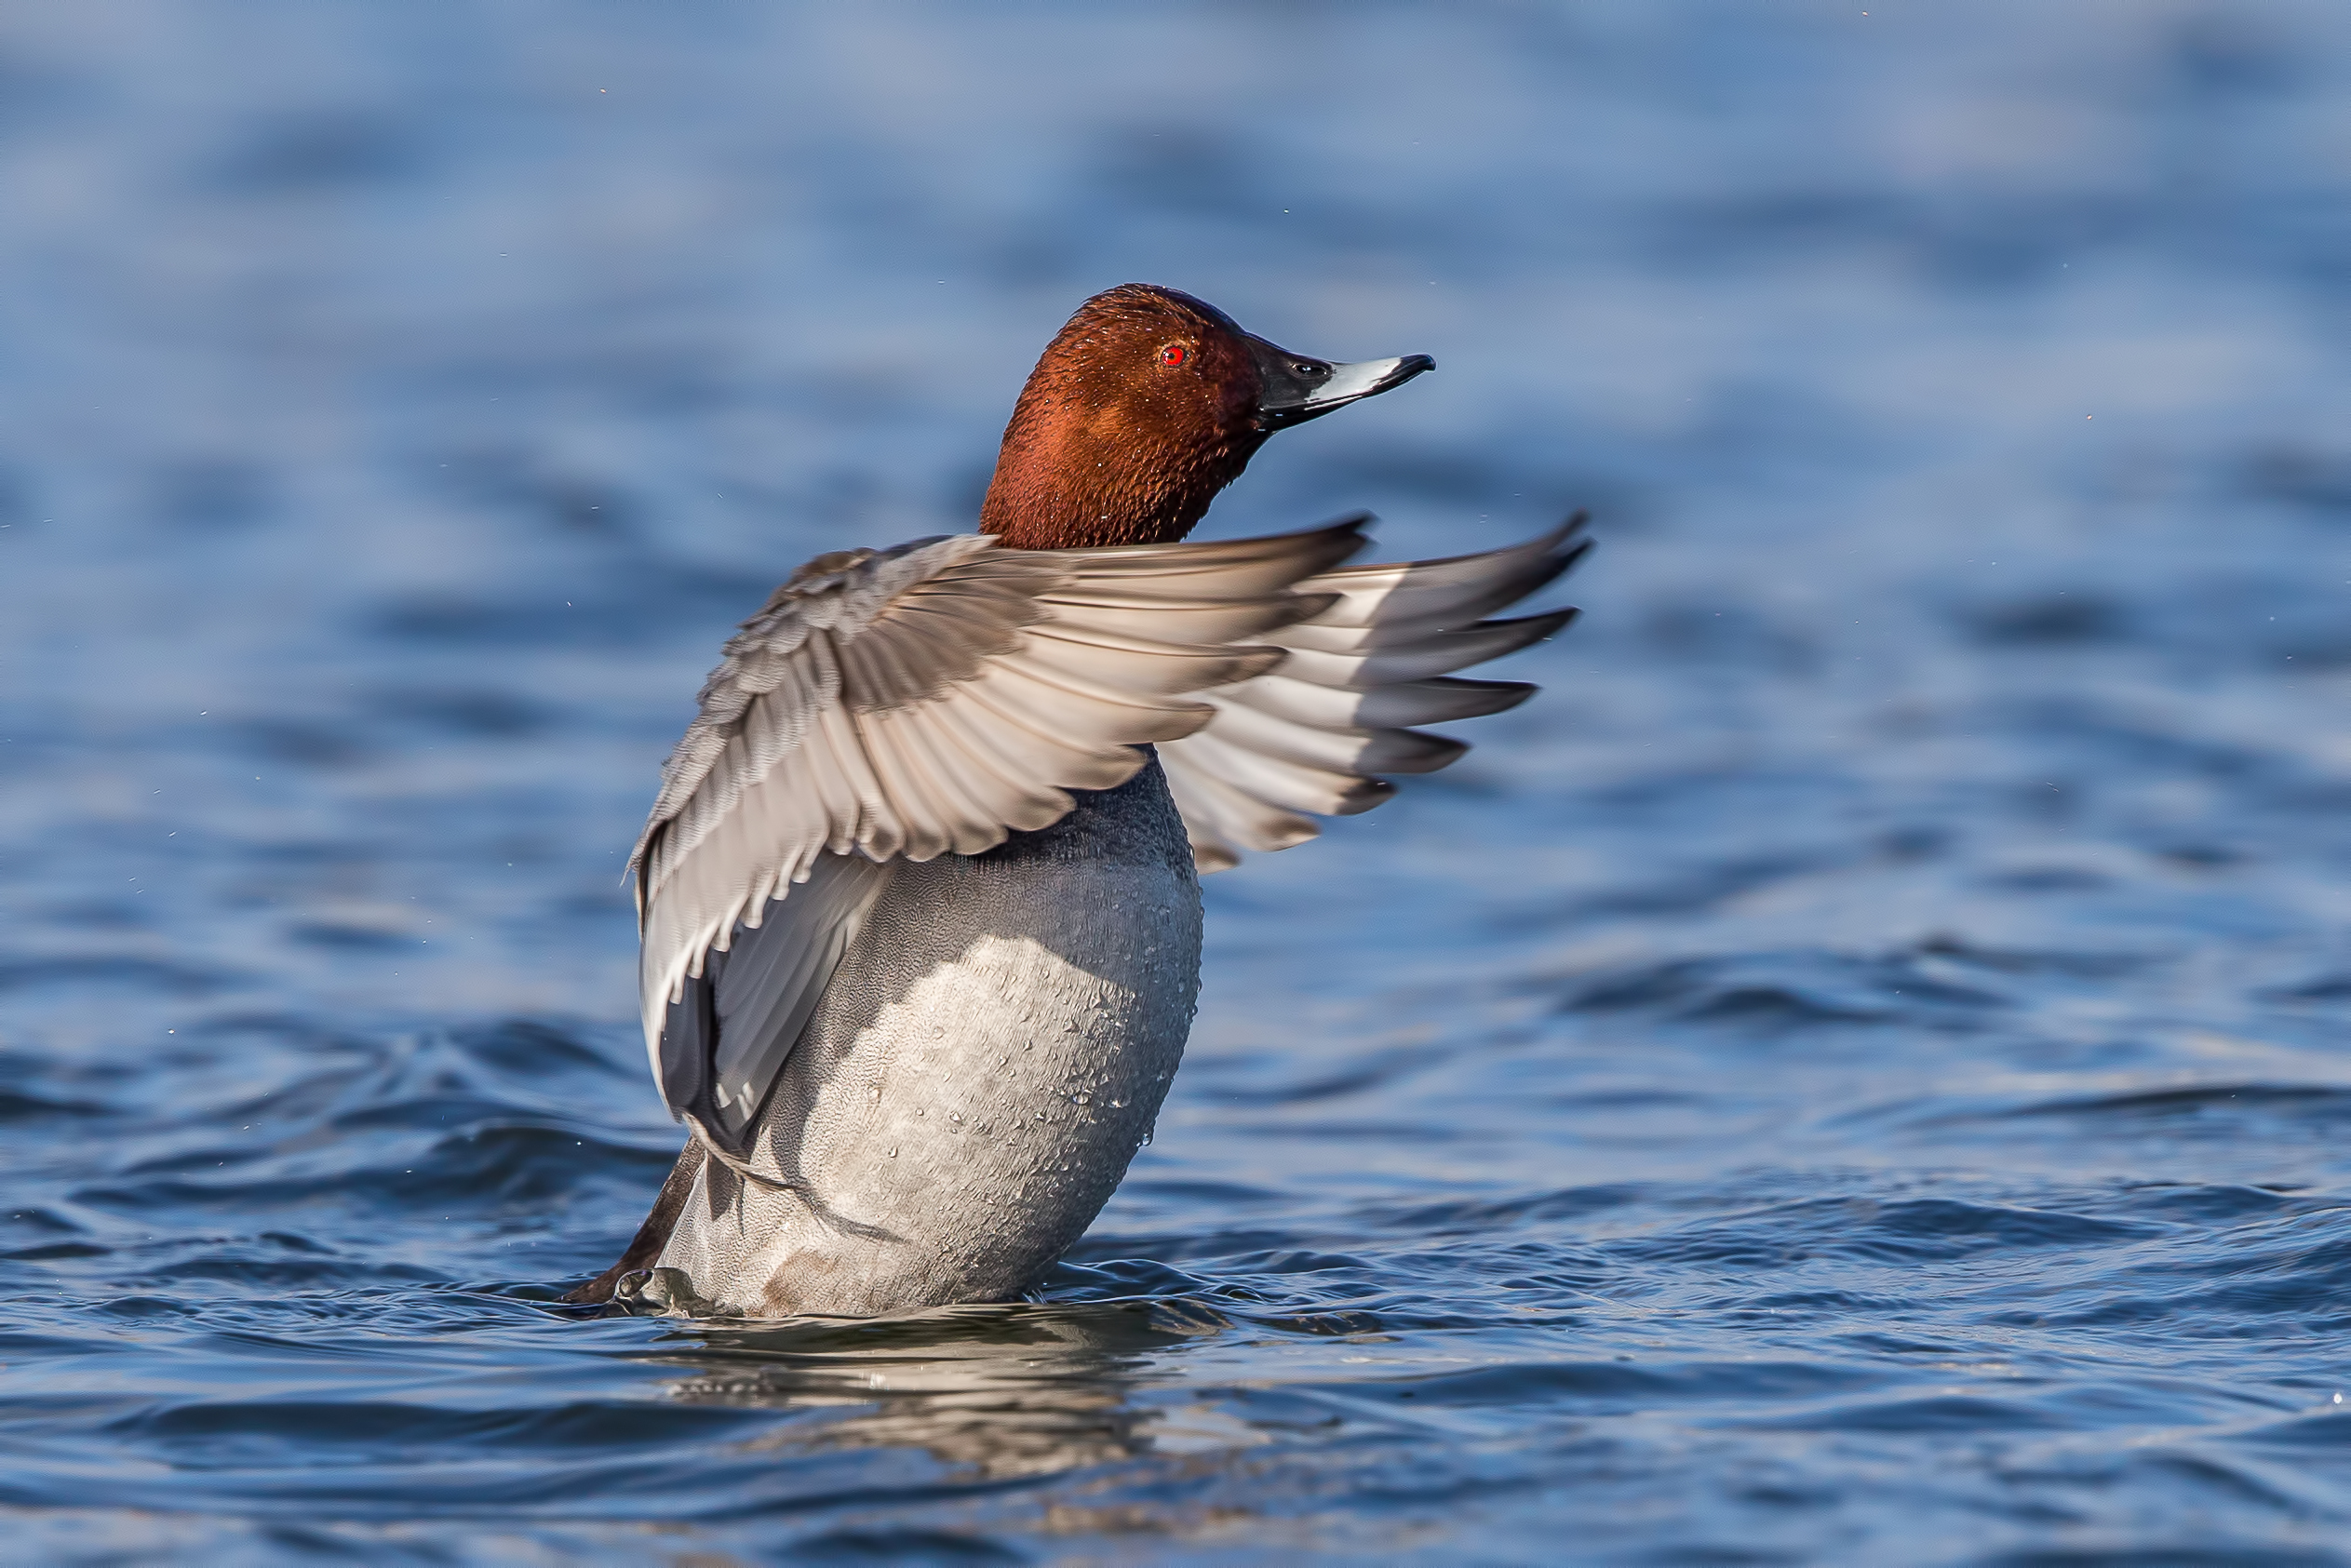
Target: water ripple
(1853, 1072)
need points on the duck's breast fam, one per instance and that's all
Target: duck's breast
(985, 1063)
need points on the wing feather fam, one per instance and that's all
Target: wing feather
(1313, 734)
(1342, 748)
(1432, 653)
(1453, 591)
(1224, 819)
(933, 698)
(1407, 702)
(908, 704)
(1330, 792)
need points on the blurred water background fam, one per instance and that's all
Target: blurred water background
(1853, 1072)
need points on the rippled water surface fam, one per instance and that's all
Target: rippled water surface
(1853, 1072)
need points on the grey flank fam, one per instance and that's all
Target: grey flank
(989, 1054)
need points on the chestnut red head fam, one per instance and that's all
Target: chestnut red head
(1145, 406)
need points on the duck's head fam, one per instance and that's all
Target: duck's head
(1145, 406)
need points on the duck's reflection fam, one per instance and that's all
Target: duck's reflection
(1019, 1390)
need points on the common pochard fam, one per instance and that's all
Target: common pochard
(918, 898)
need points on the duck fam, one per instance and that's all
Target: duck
(918, 897)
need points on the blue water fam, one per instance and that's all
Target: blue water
(1853, 1072)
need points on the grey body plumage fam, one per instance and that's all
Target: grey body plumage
(990, 1053)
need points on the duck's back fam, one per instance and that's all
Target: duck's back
(983, 1065)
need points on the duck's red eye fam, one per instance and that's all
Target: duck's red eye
(1173, 355)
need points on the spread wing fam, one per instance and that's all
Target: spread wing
(1314, 733)
(913, 702)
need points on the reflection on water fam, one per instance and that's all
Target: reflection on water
(998, 1391)
(1853, 1072)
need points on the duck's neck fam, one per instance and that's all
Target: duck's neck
(1063, 484)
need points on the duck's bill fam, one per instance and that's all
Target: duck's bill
(1297, 389)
